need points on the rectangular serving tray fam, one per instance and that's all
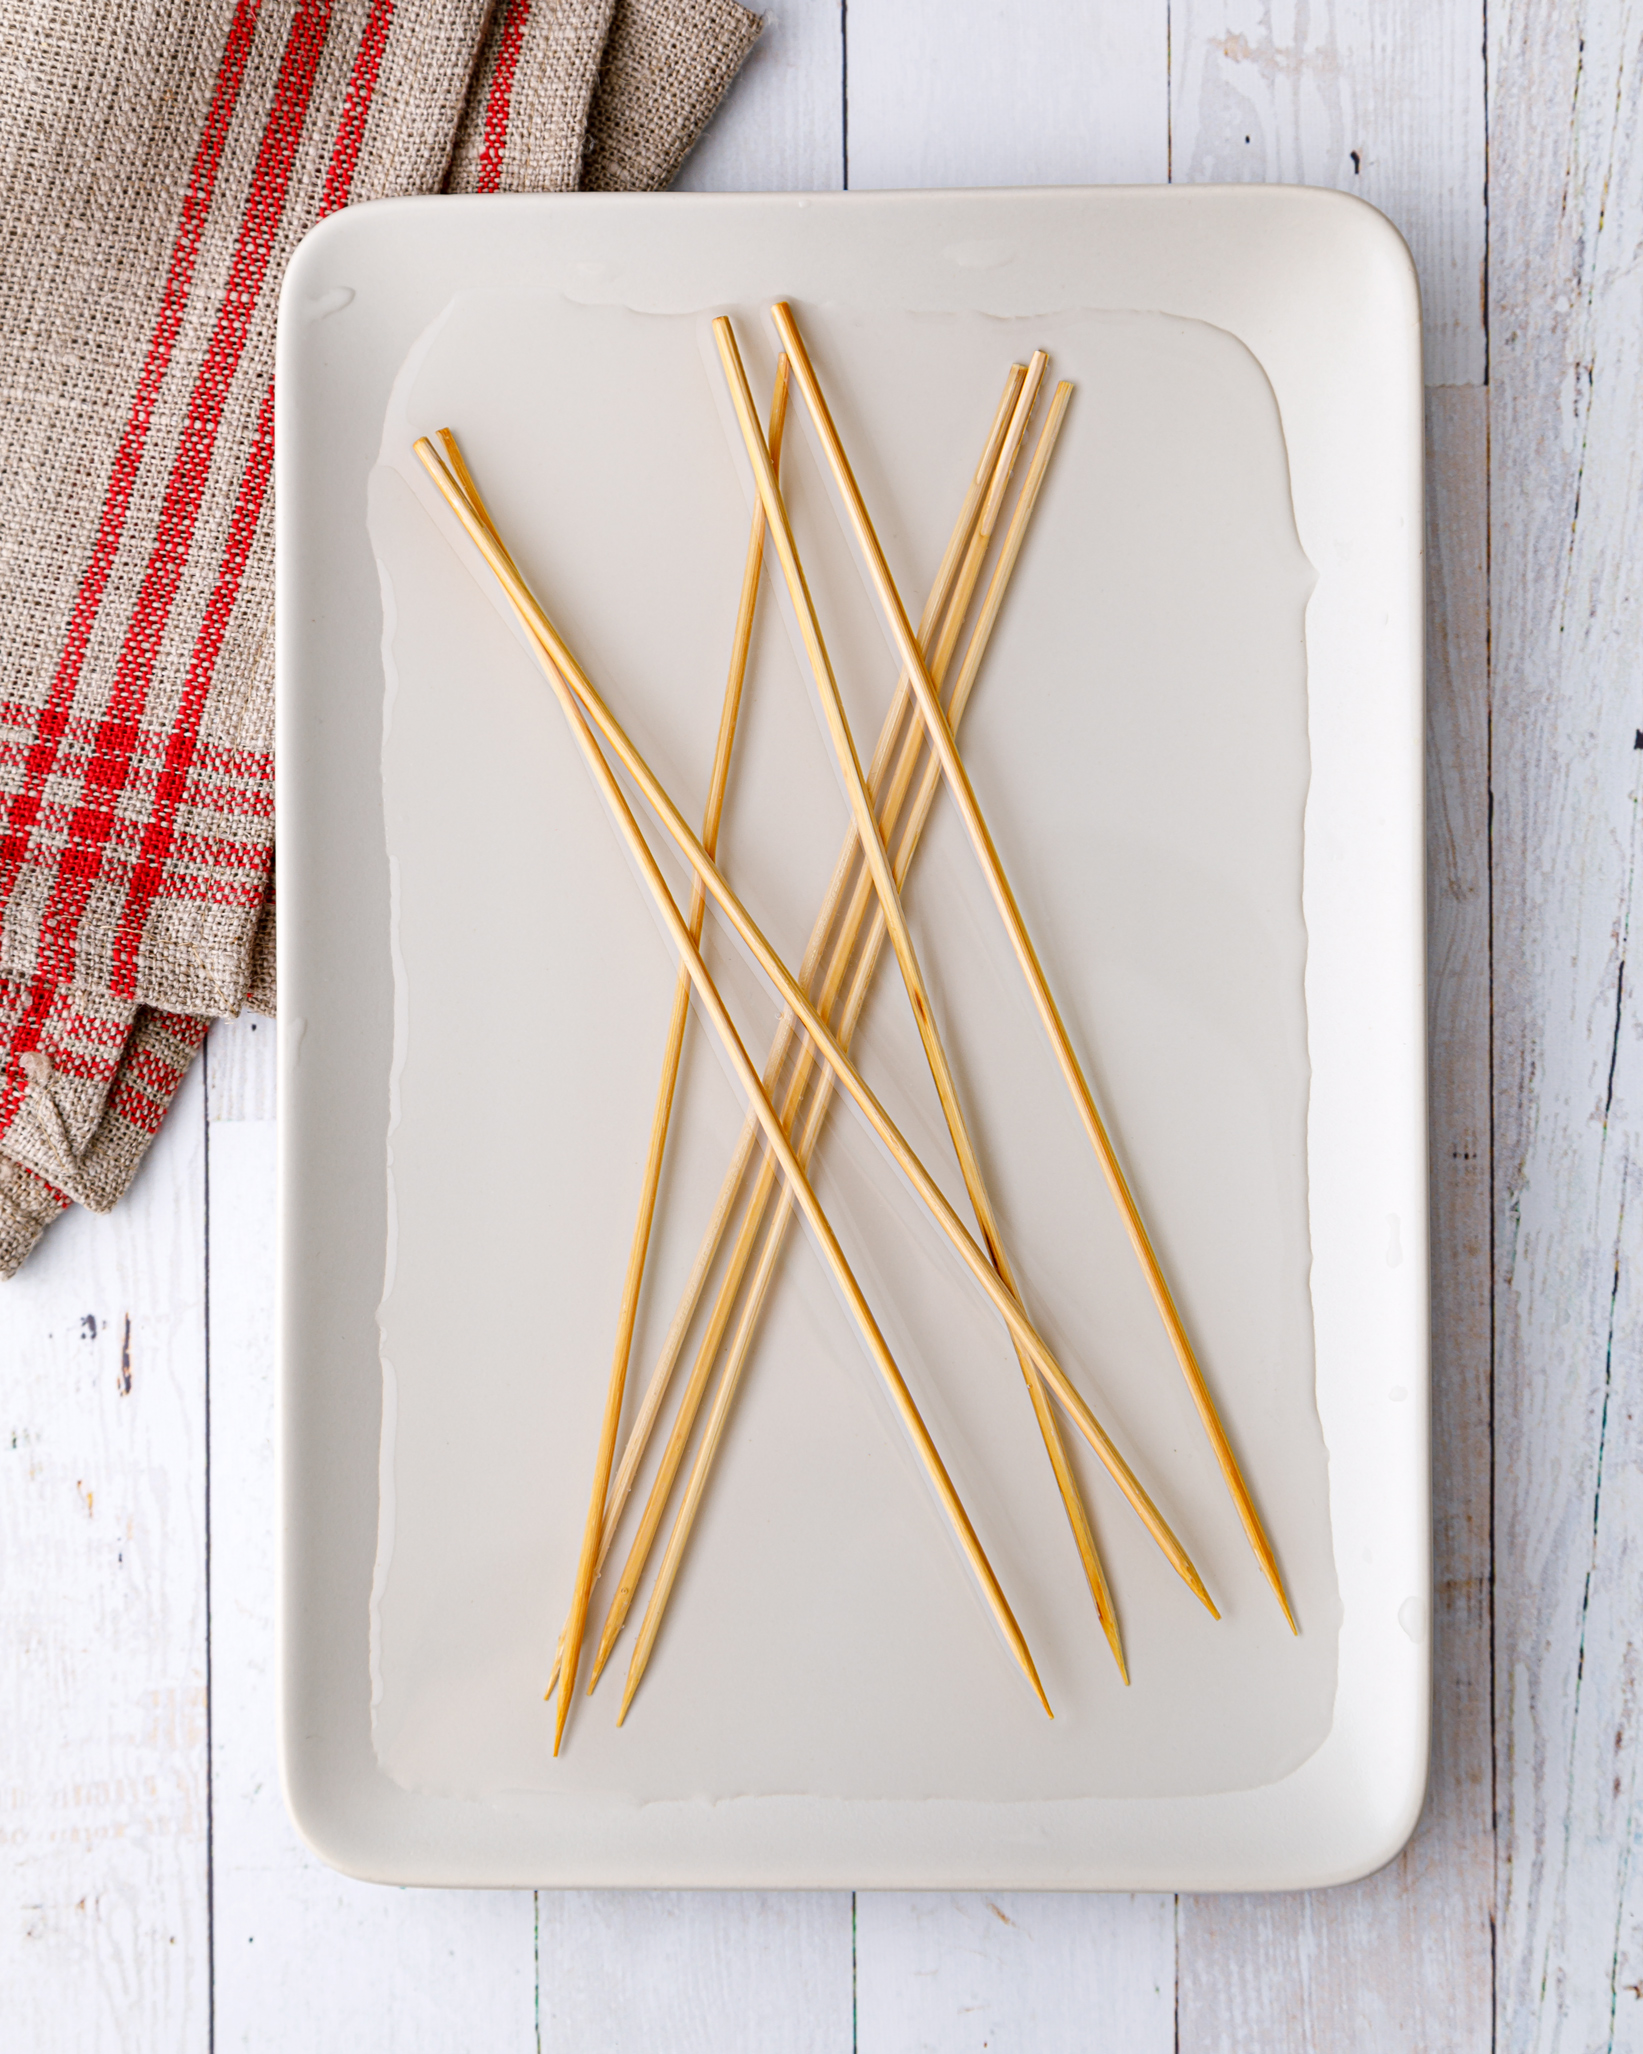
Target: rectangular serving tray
(1320, 292)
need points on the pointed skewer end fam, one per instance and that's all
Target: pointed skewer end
(600, 1660)
(1202, 1595)
(1117, 1646)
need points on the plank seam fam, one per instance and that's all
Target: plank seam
(855, 2021)
(844, 91)
(1490, 1062)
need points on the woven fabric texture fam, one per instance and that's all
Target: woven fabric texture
(154, 1059)
(27, 1207)
(668, 64)
(158, 164)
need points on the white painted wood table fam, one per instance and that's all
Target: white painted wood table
(155, 1895)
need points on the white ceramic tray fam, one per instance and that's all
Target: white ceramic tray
(1198, 740)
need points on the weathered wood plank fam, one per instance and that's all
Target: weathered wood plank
(1015, 1974)
(939, 95)
(975, 94)
(1403, 1961)
(1566, 326)
(781, 128)
(1380, 100)
(721, 1971)
(242, 1073)
(711, 1972)
(103, 1803)
(306, 1960)
(1388, 103)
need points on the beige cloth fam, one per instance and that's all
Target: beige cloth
(668, 64)
(158, 164)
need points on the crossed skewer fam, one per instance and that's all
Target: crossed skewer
(822, 1016)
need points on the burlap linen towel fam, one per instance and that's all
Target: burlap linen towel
(159, 161)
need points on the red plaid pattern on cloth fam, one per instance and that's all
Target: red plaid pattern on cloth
(158, 165)
(154, 1057)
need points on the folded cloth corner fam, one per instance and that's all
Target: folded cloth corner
(27, 1207)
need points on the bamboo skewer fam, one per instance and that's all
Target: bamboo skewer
(999, 448)
(690, 1401)
(459, 466)
(588, 1566)
(562, 669)
(673, 1554)
(941, 742)
(860, 984)
(959, 556)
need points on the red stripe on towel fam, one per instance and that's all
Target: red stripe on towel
(499, 100)
(158, 835)
(356, 107)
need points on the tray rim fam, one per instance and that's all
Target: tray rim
(1327, 1822)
